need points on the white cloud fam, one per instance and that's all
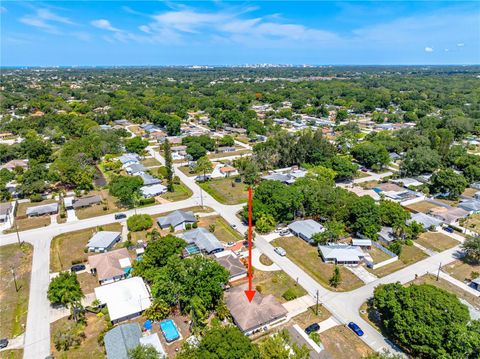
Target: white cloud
(3, 9)
(45, 20)
(428, 49)
(83, 36)
(461, 44)
(446, 50)
(104, 25)
(144, 28)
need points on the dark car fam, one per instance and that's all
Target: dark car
(77, 267)
(448, 229)
(120, 215)
(312, 328)
(355, 328)
(3, 343)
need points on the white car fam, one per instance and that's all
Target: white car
(280, 251)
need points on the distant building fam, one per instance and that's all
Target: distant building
(51, 208)
(103, 241)
(426, 221)
(128, 159)
(153, 191)
(386, 235)
(135, 169)
(10, 165)
(471, 206)
(5, 211)
(306, 229)
(448, 215)
(257, 315)
(341, 254)
(86, 201)
(177, 220)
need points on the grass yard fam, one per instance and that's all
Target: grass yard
(68, 247)
(229, 154)
(13, 304)
(307, 257)
(109, 202)
(409, 255)
(436, 241)
(150, 162)
(186, 171)
(276, 283)
(368, 184)
(89, 348)
(378, 255)
(422, 206)
(265, 260)
(88, 282)
(223, 231)
(473, 223)
(180, 193)
(462, 270)
(309, 316)
(341, 342)
(469, 192)
(24, 222)
(11, 354)
(449, 287)
(224, 192)
(137, 130)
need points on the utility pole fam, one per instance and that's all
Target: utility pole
(438, 273)
(316, 307)
(14, 279)
(18, 235)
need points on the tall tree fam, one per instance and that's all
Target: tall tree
(167, 152)
(65, 289)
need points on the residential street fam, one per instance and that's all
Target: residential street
(343, 306)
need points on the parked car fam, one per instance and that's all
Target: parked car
(3, 343)
(77, 267)
(284, 232)
(202, 178)
(364, 169)
(355, 328)
(315, 327)
(233, 226)
(448, 229)
(230, 244)
(280, 251)
(120, 215)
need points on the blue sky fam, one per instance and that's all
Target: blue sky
(89, 33)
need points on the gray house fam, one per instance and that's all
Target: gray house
(203, 239)
(176, 219)
(103, 241)
(119, 340)
(51, 208)
(306, 229)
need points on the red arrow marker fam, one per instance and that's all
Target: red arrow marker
(250, 293)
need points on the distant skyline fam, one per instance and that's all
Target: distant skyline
(143, 33)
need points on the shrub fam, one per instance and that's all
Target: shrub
(77, 261)
(211, 228)
(139, 222)
(188, 226)
(259, 288)
(36, 197)
(69, 335)
(62, 215)
(194, 225)
(315, 337)
(162, 171)
(289, 294)
(145, 201)
(176, 180)
(172, 229)
(409, 242)
(395, 247)
(105, 208)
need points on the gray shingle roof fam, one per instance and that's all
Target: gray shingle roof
(425, 220)
(86, 201)
(176, 218)
(43, 209)
(203, 239)
(306, 227)
(149, 180)
(103, 239)
(120, 339)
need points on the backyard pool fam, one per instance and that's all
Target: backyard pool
(169, 330)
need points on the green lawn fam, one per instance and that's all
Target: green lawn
(307, 257)
(409, 255)
(109, 205)
(223, 231)
(150, 162)
(226, 191)
(69, 247)
(13, 303)
(276, 283)
(462, 271)
(436, 241)
(180, 193)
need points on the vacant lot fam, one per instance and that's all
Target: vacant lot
(226, 191)
(473, 223)
(469, 192)
(409, 255)
(180, 193)
(378, 255)
(449, 287)
(276, 283)
(462, 271)
(88, 282)
(422, 206)
(69, 247)
(223, 231)
(436, 241)
(309, 317)
(238, 152)
(110, 205)
(150, 162)
(89, 348)
(187, 171)
(13, 303)
(24, 222)
(307, 257)
(342, 343)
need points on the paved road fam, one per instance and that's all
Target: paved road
(343, 306)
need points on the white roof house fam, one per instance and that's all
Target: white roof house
(103, 241)
(341, 254)
(407, 182)
(425, 220)
(125, 299)
(306, 229)
(42, 209)
(152, 191)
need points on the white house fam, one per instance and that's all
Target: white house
(341, 254)
(103, 241)
(152, 191)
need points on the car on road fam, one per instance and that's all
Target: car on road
(448, 229)
(315, 327)
(77, 267)
(120, 215)
(202, 178)
(280, 251)
(3, 343)
(355, 328)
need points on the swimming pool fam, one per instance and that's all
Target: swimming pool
(169, 330)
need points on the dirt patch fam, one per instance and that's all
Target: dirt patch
(340, 342)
